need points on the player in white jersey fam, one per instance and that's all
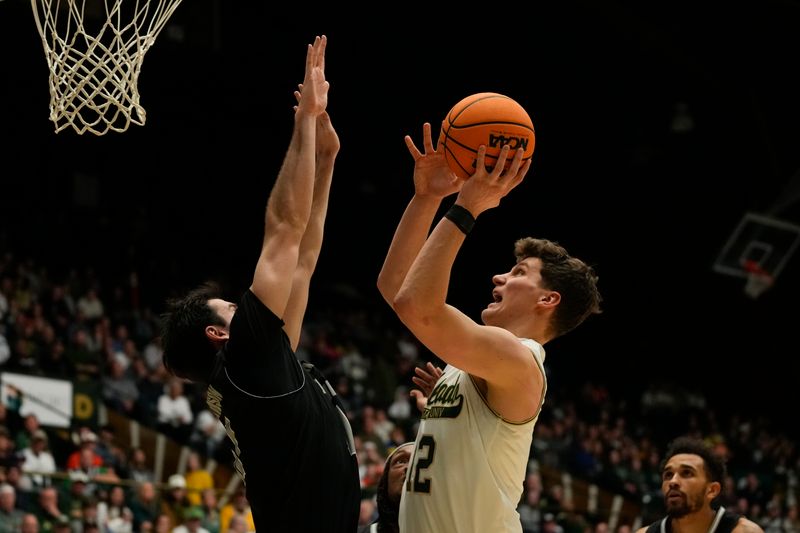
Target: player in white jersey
(473, 443)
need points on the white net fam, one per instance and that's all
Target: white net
(756, 284)
(758, 279)
(94, 52)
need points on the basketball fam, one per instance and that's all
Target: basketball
(489, 119)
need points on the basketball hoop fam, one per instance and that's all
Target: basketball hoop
(94, 53)
(758, 250)
(758, 279)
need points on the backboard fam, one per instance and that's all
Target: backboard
(758, 250)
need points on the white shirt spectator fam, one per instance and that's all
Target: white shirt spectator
(90, 305)
(400, 409)
(36, 459)
(209, 428)
(173, 407)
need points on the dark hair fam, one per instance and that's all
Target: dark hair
(188, 353)
(713, 464)
(388, 511)
(573, 279)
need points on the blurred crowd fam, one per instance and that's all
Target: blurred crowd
(103, 334)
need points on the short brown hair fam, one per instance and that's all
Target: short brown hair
(573, 279)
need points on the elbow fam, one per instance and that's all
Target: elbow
(401, 304)
(383, 288)
(388, 285)
(307, 261)
(407, 308)
(286, 223)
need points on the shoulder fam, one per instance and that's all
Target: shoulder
(536, 348)
(746, 525)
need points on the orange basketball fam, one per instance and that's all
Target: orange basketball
(489, 119)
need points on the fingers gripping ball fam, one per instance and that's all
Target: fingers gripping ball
(489, 119)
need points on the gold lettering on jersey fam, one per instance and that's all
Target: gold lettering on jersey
(445, 401)
(237, 462)
(214, 402)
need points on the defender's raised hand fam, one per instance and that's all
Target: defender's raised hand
(313, 93)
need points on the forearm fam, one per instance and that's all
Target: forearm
(311, 244)
(308, 253)
(408, 240)
(290, 200)
(425, 287)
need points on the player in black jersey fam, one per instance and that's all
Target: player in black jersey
(292, 444)
(691, 480)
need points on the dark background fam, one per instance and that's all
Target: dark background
(182, 198)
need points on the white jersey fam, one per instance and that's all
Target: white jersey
(469, 464)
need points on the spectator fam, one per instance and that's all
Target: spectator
(119, 389)
(197, 479)
(145, 505)
(10, 516)
(8, 457)
(87, 440)
(174, 502)
(77, 502)
(30, 425)
(47, 508)
(36, 458)
(115, 515)
(30, 523)
(62, 525)
(239, 524)
(209, 433)
(211, 517)
(238, 506)
(90, 305)
(175, 412)
(138, 469)
(192, 522)
(112, 454)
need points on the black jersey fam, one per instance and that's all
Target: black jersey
(724, 522)
(292, 444)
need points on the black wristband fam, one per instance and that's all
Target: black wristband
(461, 217)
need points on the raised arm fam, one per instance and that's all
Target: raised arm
(326, 152)
(289, 204)
(433, 180)
(487, 352)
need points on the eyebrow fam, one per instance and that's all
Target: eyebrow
(679, 466)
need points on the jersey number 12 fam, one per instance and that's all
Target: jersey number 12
(415, 482)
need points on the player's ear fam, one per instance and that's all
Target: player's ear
(550, 299)
(216, 333)
(713, 490)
